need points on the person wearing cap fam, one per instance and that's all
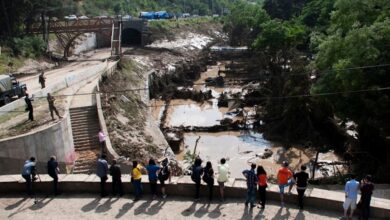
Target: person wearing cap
(284, 178)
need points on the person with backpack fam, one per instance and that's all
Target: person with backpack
(136, 176)
(164, 175)
(197, 171)
(208, 178)
(152, 169)
(262, 177)
(223, 177)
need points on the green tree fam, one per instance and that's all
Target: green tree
(358, 36)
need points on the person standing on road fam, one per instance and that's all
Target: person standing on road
(50, 100)
(223, 177)
(115, 172)
(301, 179)
(53, 170)
(29, 107)
(28, 173)
(102, 171)
(284, 179)
(351, 193)
(208, 178)
(42, 79)
(164, 175)
(152, 169)
(262, 177)
(197, 171)
(102, 141)
(366, 188)
(251, 182)
(136, 176)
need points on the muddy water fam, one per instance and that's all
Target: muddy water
(241, 148)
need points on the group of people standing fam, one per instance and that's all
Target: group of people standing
(256, 180)
(155, 173)
(50, 101)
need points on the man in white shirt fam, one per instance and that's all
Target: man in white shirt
(223, 176)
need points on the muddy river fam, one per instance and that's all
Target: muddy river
(240, 147)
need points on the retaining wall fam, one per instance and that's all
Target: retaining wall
(54, 140)
(183, 186)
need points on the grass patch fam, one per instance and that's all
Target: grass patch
(169, 25)
(6, 58)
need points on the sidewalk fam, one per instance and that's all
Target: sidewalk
(94, 207)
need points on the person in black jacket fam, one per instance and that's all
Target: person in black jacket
(197, 171)
(29, 107)
(115, 172)
(301, 179)
(208, 177)
(53, 170)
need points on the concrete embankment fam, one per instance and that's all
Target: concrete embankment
(183, 186)
(47, 141)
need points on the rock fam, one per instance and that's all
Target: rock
(267, 153)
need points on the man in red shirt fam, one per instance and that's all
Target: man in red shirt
(284, 179)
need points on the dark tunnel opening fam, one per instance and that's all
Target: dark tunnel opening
(131, 37)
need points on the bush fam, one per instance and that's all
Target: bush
(28, 46)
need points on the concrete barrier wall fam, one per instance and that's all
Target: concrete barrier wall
(183, 186)
(68, 81)
(54, 140)
(41, 144)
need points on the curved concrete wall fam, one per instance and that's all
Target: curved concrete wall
(55, 140)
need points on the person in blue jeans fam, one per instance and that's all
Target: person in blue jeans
(136, 176)
(28, 173)
(251, 183)
(152, 169)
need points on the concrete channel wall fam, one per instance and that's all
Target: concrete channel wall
(183, 186)
(56, 139)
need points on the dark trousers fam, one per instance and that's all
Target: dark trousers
(366, 208)
(55, 183)
(102, 146)
(251, 195)
(28, 184)
(153, 186)
(210, 185)
(301, 193)
(31, 113)
(42, 84)
(103, 185)
(137, 188)
(262, 195)
(197, 188)
(53, 108)
(117, 186)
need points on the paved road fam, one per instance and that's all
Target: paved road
(56, 75)
(91, 207)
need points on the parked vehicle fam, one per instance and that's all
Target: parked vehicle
(126, 17)
(71, 17)
(82, 17)
(155, 15)
(10, 88)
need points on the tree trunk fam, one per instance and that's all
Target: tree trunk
(315, 165)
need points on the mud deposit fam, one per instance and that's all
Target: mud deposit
(224, 123)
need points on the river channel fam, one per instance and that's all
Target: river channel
(242, 146)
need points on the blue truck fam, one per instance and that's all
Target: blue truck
(155, 15)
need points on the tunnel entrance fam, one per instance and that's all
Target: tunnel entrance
(131, 37)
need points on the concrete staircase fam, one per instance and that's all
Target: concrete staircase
(85, 129)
